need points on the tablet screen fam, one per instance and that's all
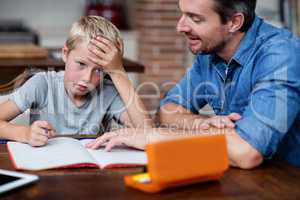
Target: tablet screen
(6, 179)
(11, 179)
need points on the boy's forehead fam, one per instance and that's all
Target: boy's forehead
(80, 53)
(82, 42)
(80, 46)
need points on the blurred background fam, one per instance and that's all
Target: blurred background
(147, 26)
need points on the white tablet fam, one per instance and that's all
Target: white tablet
(11, 179)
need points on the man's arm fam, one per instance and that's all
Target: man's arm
(176, 116)
(241, 154)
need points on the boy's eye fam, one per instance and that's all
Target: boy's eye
(81, 64)
(99, 72)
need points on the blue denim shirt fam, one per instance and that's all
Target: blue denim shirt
(261, 83)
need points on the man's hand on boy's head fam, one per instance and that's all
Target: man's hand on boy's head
(106, 54)
(39, 133)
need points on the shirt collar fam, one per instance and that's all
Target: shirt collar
(247, 43)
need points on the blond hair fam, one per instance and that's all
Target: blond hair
(88, 27)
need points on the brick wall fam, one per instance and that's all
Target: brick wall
(160, 48)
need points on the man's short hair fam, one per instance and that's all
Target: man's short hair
(88, 27)
(227, 8)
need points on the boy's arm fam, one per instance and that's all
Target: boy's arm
(9, 110)
(108, 55)
(36, 135)
(135, 114)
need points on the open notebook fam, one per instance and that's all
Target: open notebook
(63, 152)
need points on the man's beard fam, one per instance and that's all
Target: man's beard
(212, 50)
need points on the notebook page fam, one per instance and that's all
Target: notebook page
(60, 151)
(117, 156)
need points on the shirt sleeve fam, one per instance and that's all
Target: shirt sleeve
(188, 92)
(32, 94)
(275, 99)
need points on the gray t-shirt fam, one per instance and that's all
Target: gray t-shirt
(45, 95)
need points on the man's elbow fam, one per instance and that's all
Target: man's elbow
(249, 160)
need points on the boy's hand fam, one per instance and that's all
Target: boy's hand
(106, 54)
(226, 121)
(39, 133)
(131, 137)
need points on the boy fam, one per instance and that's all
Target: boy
(80, 99)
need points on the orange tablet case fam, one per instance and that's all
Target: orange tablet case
(183, 161)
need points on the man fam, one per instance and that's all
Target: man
(247, 71)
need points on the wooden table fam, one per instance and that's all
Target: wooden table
(272, 180)
(10, 69)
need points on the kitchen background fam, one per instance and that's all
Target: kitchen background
(148, 29)
(52, 19)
